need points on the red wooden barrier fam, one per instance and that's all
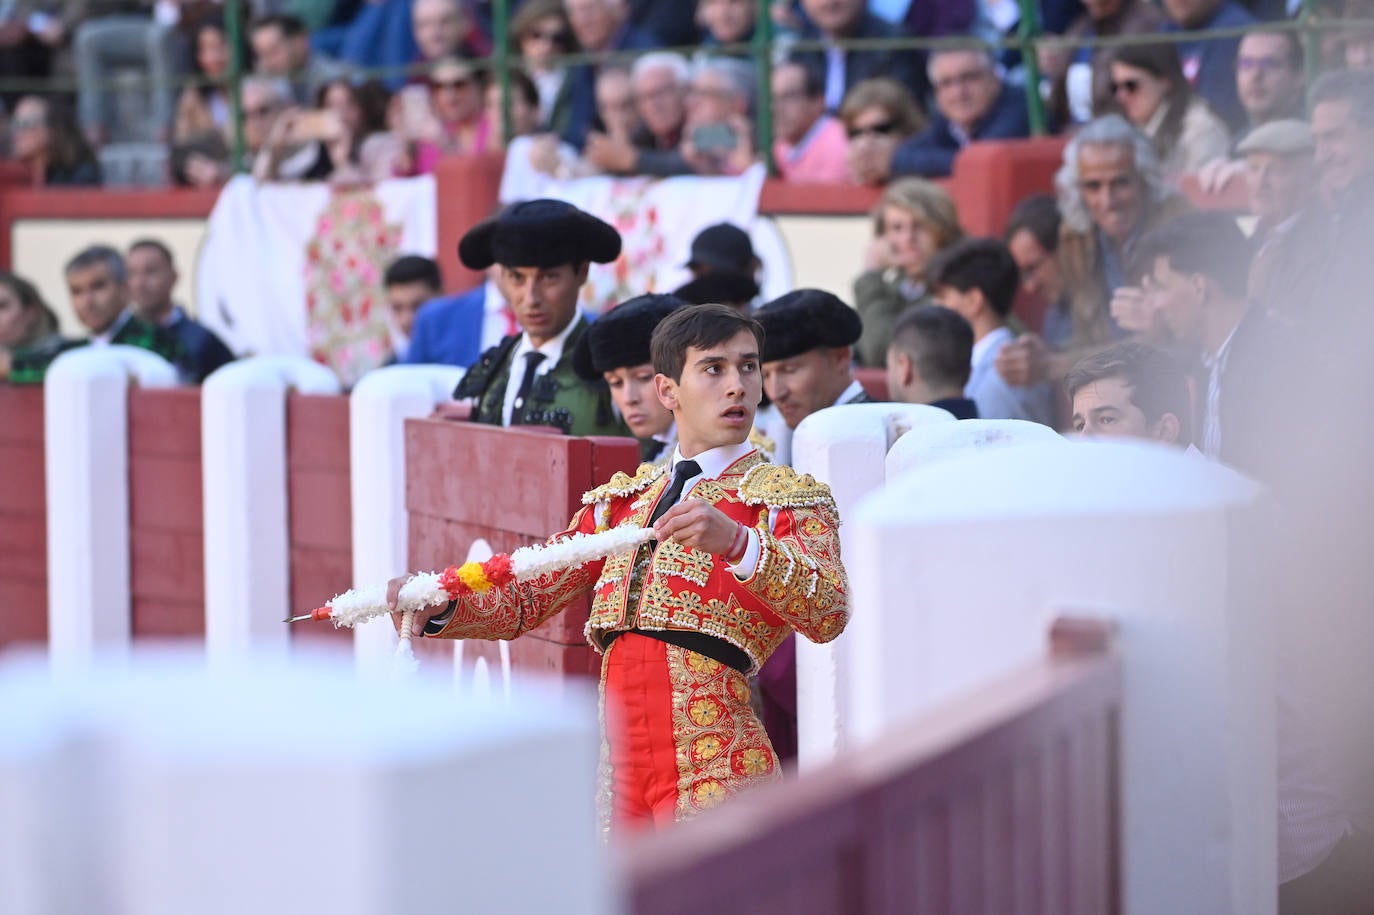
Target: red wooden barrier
(510, 487)
(1003, 802)
(874, 381)
(166, 518)
(319, 505)
(23, 518)
(992, 177)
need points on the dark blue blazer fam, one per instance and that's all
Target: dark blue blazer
(906, 67)
(1216, 62)
(931, 152)
(448, 330)
(202, 350)
(582, 80)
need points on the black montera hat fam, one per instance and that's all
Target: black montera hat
(719, 288)
(805, 319)
(539, 233)
(620, 337)
(722, 247)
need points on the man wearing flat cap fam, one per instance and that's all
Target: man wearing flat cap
(809, 337)
(1280, 177)
(615, 351)
(544, 248)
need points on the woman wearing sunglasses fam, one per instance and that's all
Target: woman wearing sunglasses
(1149, 88)
(878, 114)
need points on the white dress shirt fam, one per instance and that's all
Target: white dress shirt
(104, 337)
(713, 463)
(552, 350)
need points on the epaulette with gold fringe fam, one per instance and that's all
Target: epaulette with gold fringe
(622, 484)
(782, 487)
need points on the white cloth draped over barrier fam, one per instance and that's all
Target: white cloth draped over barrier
(657, 220)
(296, 269)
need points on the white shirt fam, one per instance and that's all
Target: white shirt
(1211, 425)
(103, 338)
(552, 350)
(995, 398)
(834, 78)
(494, 310)
(713, 463)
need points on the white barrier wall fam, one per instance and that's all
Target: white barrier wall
(86, 459)
(278, 791)
(938, 442)
(962, 563)
(243, 448)
(844, 447)
(378, 407)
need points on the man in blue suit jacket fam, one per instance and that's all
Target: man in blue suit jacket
(972, 103)
(1211, 64)
(448, 329)
(600, 27)
(850, 19)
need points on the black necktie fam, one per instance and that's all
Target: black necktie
(532, 360)
(684, 471)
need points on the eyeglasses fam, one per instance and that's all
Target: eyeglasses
(259, 111)
(1261, 64)
(28, 123)
(881, 129)
(1127, 86)
(450, 83)
(967, 78)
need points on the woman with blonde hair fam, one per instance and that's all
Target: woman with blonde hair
(914, 219)
(878, 115)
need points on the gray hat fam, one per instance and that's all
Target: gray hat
(1285, 137)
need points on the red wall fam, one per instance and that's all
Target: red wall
(510, 487)
(320, 506)
(166, 518)
(23, 518)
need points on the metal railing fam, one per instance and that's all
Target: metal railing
(764, 48)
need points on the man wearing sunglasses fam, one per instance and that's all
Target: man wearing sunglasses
(972, 103)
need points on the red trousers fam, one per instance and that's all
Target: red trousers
(679, 734)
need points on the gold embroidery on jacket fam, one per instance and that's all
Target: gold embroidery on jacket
(692, 564)
(722, 747)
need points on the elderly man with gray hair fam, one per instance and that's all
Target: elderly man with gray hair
(1111, 192)
(971, 103)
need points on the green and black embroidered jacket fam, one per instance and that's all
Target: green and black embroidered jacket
(558, 398)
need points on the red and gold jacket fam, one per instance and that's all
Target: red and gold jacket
(798, 583)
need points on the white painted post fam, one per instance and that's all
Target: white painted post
(961, 564)
(86, 460)
(243, 448)
(844, 447)
(378, 408)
